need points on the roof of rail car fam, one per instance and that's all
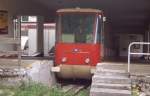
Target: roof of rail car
(86, 10)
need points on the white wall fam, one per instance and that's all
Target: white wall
(49, 40)
(32, 41)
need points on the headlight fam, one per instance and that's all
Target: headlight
(87, 60)
(64, 59)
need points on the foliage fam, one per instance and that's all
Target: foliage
(31, 89)
(135, 90)
(36, 89)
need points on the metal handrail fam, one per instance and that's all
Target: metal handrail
(135, 53)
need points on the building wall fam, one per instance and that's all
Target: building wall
(108, 41)
(49, 39)
(125, 40)
(21, 7)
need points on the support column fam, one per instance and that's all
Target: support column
(10, 25)
(40, 29)
(147, 39)
(36, 37)
(10, 47)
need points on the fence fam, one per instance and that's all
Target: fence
(135, 53)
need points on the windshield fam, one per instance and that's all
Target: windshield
(77, 28)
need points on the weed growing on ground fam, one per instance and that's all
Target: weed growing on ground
(35, 89)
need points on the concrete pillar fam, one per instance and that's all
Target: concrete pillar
(10, 25)
(36, 37)
(40, 29)
(147, 39)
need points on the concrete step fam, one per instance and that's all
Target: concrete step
(112, 86)
(101, 69)
(110, 76)
(112, 66)
(110, 63)
(102, 73)
(111, 79)
(109, 92)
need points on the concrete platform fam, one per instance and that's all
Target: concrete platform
(35, 70)
(136, 68)
(13, 63)
(110, 80)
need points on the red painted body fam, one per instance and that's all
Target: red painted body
(79, 42)
(77, 53)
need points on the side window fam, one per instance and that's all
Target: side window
(99, 30)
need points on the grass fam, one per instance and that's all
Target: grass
(32, 89)
(135, 90)
(35, 89)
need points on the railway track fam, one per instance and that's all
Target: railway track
(74, 89)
